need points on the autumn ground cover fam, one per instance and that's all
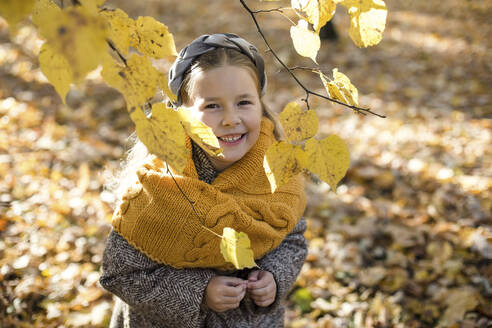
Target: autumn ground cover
(405, 241)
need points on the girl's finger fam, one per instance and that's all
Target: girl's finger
(253, 276)
(233, 281)
(232, 291)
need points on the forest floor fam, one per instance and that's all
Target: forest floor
(406, 241)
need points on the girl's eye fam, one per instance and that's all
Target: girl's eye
(245, 103)
(212, 106)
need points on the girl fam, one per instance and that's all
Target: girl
(164, 267)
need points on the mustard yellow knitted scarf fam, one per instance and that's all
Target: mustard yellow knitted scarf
(155, 217)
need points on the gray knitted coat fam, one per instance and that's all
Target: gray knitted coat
(150, 294)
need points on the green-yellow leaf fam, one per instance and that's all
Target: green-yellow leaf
(162, 134)
(283, 161)
(306, 42)
(236, 249)
(56, 69)
(341, 88)
(153, 38)
(122, 29)
(201, 134)
(79, 35)
(318, 12)
(328, 158)
(15, 10)
(367, 21)
(298, 125)
(137, 81)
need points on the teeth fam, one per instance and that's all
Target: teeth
(231, 139)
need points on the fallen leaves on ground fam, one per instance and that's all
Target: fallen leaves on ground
(405, 241)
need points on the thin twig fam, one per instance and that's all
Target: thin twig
(190, 202)
(268, 10)
(313, 69)
(111, 45)
(308, 92)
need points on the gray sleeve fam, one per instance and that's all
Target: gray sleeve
(285, 262)
(167, 294)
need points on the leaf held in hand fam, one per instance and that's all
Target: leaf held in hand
(282, 162)
(153, 39)
(236, 249)
(162, 134)
(367, 21)
(306, 42)
(341, 88)
(328, 158)
(298, 125)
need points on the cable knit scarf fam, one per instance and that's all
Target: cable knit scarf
(155, 216)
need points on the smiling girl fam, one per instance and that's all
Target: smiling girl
(164, 268)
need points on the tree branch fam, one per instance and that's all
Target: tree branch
(359, 110)
(111, 45)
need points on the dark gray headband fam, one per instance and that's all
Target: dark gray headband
(204, 44)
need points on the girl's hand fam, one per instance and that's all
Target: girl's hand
(262, 287)
(224, 293)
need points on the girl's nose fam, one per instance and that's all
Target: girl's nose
(231, 118)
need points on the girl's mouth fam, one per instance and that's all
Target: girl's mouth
(231, 139)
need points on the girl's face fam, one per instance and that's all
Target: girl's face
(227, 100)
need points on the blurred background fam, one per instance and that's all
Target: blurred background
(404, 242)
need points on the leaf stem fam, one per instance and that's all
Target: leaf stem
(359, 110)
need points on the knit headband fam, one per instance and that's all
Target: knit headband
(204, 44)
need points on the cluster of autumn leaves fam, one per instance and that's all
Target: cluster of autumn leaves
(82, 36)
(367, 22)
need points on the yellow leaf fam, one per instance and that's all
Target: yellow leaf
(201, 134)
(43, 12)
(318, 12)
(162, 134)
(458, 301)
(341, 88)
(153, 38)
(92, 4)
(306, 42)
(122, 29)
(165, 87)
(328, 158)
(298, 125)
(77, 34)
(137, 81)
(283, 161)
(15, 10)
(56, 69)
(236, 249)
(367, 21)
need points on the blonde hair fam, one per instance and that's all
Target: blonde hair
(138, 153)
